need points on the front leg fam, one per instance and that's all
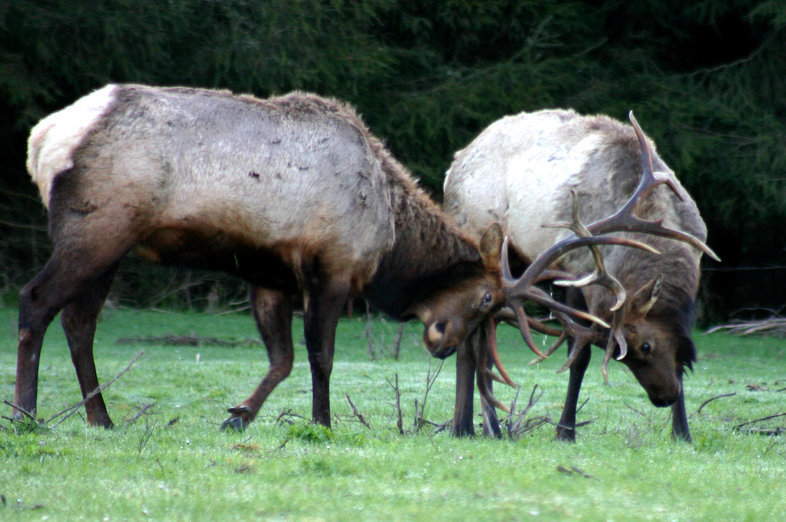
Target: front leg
(325, 304)
(679, 418)
(465, 390)
(567, 423)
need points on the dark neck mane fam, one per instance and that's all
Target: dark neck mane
(430, 251)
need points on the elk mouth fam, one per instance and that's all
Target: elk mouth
(662, 403)
(663, 398)
(443, 352)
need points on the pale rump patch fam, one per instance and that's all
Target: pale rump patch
(53, 140)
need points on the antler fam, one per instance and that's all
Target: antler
(522, 290)
(624, 220)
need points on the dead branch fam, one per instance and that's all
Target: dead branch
(419, 419)
(357, 413)
(772, 326)
(722, 395)
(368, 334)
(442, 427)
(768, 417)
(518, 424)
(73, 409)
(26, 413)
(572, 470)
(635, 410)
(187, 340)
(285, 414)
(399, 419)
(142, 411)
(578, 424)
(396, 348)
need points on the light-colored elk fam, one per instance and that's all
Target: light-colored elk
(533, 170)
(292, 194)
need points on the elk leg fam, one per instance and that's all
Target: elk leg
(68, 275)
(79, 323)
(88, 243)
(567, 423)
(36, 311)
(465, 389)
(325, 305)
(273, 315)
(679, 418)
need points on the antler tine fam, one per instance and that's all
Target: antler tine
(583, 336)
(542, 298)
(626, 220)
(508, 316)
(533, 272)
(506, 275)
(523, 289)
(491, 335)
(615, 336)
(481, 374)
(560, 339)
(526, 334)
(600, 275)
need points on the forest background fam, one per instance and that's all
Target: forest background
(706, 79)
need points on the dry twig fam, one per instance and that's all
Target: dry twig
(777, 430)
(722, 395)
(73, 409)
(397, 404)
(357, 413)
(187, 340)
(419, 418)
(774, 326)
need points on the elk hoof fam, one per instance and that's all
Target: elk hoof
(238, 421)
(233, 424)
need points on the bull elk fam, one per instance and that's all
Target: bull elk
(534, 170)
(293, 194)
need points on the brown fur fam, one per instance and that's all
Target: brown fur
(292, 194)
(522, 169)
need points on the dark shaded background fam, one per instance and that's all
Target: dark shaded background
(706, 79)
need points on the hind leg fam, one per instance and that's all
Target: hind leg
(79, 323)
(273, 315)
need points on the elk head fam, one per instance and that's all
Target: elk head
(454, 311)
(659, 347)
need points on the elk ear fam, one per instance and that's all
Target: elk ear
(645, 297)
(491, 247)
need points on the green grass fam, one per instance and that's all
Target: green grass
(172, 462)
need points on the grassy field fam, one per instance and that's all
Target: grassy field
(167, 459)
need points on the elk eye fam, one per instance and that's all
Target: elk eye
(486, 301)
(646, 348)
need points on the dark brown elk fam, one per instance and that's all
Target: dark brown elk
(533, 170)
(292, 194)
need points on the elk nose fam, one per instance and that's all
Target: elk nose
(662, 398)
(436, 333)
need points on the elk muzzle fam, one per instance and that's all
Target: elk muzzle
(438, 341)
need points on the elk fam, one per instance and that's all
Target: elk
(534, 170)
(293, 194)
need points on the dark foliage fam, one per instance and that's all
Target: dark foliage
(705, 78)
